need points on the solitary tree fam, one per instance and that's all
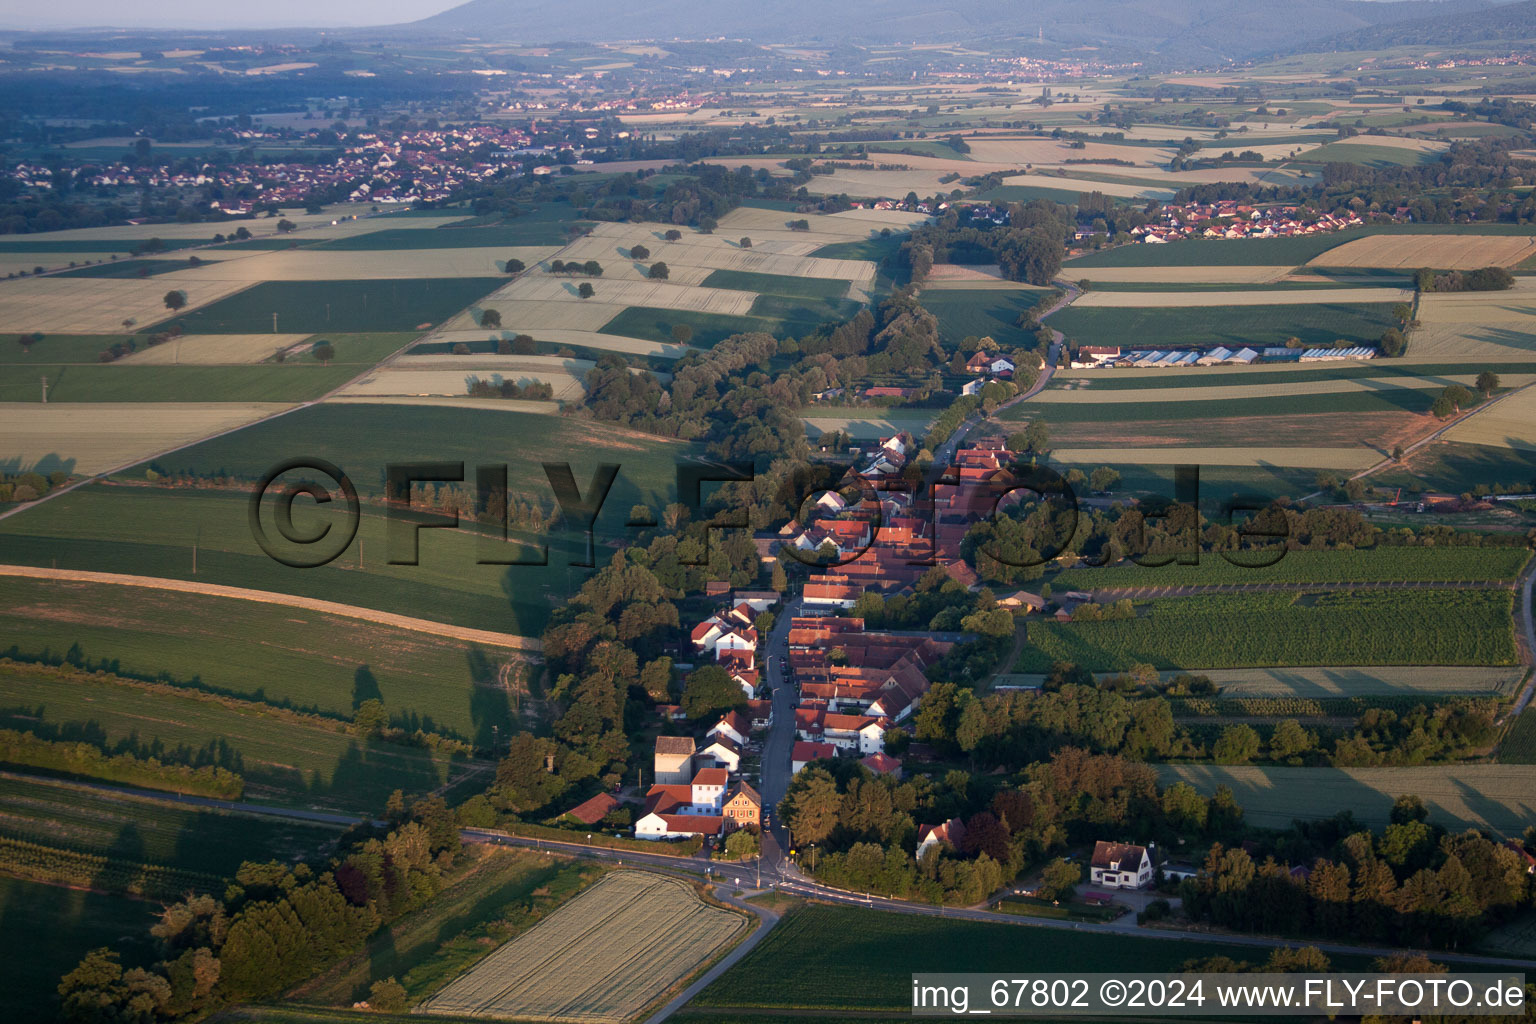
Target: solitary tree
(1103, 478)
(323, 351)
(490, 318)
(673, 235)
(284, 226)
(639, 252)
(1487, 382)
(586, 290)
(682, 333)
(516, 266)
(746, 243)
(658, 272)
(175, 299)
(387, 996)
(1402, 312)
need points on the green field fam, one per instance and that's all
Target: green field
(499, 894)
(1519, 745)
(58, 348)
(877, 953)
(778, 284)
(980, 313)
(45, 930)
(1492, 797)
(1216, 482)
(655, 324)
(127, 268)
(520, 232)
(1368, 565)
(105, 246)
(876, 249)
(1368, 155)
(1235, 326)
(1457, 468)
(152, 531)
(129, 828)
(1413, 400)
(315, 307)
(284, 758)
(1263, 252)
(1292, 373)
(1357, 627)
(263, 382)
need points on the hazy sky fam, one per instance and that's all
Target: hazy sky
(216, 13)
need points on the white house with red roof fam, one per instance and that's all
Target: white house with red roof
(1120, 866)
(951, 834)
(805, 752)
(733, 726)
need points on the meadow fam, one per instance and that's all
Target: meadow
(603, 957)
(1494, 797)
(135, 829)
(1519, 744)
(778, 284)
(284, 757)
(1238, 252)
(315, 307)
(656, 324)
(878, 952)
(982, 312)
(264, 382)
(1317, 325)
(267, 654)
(46, 929)
(1356, 627)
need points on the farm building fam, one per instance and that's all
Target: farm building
(673, 761)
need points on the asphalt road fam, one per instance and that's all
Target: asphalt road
(781, 736)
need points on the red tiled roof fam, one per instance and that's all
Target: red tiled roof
(590, 812)
(805, 751)
(712, 777)
(881, 764)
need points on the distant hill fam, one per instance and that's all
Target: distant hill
(1506, 22)
(1188, 28)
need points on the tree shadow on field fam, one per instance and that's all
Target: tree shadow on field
(490, 705)
(127, 848)
(365, 686)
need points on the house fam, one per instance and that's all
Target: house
(673, 761)
(656, 825)
(1120, 866)
(761, 712)
(974, 387)
(732, 726)
(1001, 367)
(722, 753)
(708, 788)
(805, 752)
(1526, 857)
(743, 808)
(1022, 599)
(831, 590)
(757, 600)
(979, 363)
(882, 764)
(590, 812)
(951, 833)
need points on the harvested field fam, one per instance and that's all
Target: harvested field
(439, 375)
(1442, 252)
(348, 265)
(1289, 458)
(1122, 190)
(215, 349)
(80, 305)
(1375, 431)
(1498, 797)
(536, 300)
(583, 339)
(447, 402)
(1250, 297)
(869, 423)
(603, 957)
(776, 240)
(85, 439)
(1018, 152)
(1509, 424)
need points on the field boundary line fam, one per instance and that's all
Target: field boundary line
(440, 629)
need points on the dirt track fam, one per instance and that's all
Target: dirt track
(442, 629)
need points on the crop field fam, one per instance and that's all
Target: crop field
(131, 828)
(494, 894)
(1457, 467)
(126, 268)
(1519, 745)
(313, 307)
(107, 435)
(552, 340)
(152, 532)
(1234, 252)
(1211, 388)
(49, 928)
(878, 952)
(1281, 458)
(779, 284)
(295, 381)
(436, 375)
(1497, 797)
(263, 653)
(1442, 627)
(981, 312)
(215, 350)
(1316, 324)
(1377, 153)
(1441, 252)
(543, 226)
(321, 263)
(284, 758)
(604, 956)
(1195, 298)
(100, 305)
(1509, 424)
(1360, 565)
(1517, 938)
(1180, 274)
(653, 324)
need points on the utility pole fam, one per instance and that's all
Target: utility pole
(274, 321)
(45, 390)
